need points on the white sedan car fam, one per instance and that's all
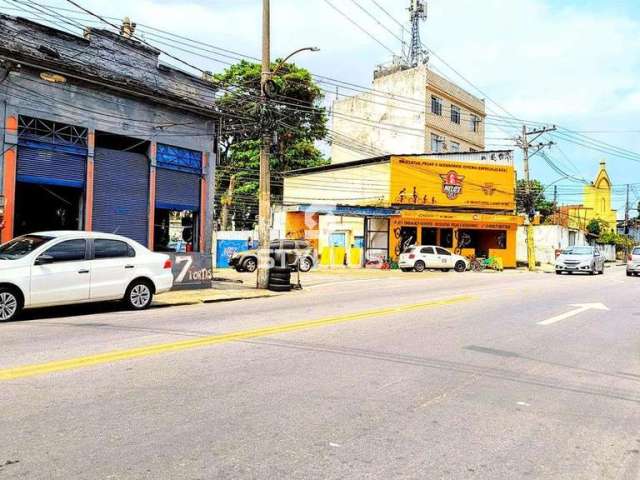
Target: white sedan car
(58, 268)
(420, 258)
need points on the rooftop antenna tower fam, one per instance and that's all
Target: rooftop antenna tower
(417, 55)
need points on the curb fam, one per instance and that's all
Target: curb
(200, 301)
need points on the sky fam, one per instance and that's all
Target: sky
(572, 63)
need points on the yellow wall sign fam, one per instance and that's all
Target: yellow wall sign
(428, 182)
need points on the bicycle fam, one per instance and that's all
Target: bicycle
(481, 264)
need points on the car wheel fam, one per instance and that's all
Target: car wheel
(460, 267)
(419, 266)
(593, 270)
(305, 264)
(9, 305)
(139, 295)
(629, 274)
(250, 265)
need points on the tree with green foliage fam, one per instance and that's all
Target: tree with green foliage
(295, 116)
(535, 201)
(596, 227)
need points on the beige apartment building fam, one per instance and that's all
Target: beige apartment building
(408, 111)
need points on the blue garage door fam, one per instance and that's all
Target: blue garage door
(121, 193)
(178, 178)
(177, 190)
(49, 164)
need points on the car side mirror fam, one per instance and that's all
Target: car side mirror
(44, 260)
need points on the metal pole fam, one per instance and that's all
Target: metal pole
(531, 248)
(264, 213)
(626, 224)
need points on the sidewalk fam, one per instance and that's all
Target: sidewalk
(209, 295)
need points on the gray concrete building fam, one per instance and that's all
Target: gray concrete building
(408, 111)
(97, 134)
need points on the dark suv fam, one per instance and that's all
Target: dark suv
(297, 254)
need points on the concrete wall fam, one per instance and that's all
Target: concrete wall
(441, 125)
(359, 185)
(548, 238)
(225, 244)
(401, 122)
(388, 124)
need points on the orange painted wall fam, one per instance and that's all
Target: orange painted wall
(203, 203)
(302, 225)
(9, 183)
(88, 190)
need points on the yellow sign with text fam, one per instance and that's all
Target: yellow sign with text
(430, 182)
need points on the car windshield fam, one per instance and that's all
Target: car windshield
(21, 246)
(636, 251)
(410, 250)
(579, 251)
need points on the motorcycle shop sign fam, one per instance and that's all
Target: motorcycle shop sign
(192, 270)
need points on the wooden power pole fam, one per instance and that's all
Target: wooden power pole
(526, 143)
(264, 208)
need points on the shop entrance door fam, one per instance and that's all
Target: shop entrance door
(47, 207)
(429, 236)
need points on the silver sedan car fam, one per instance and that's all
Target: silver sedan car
(633, 262)
(584, 259)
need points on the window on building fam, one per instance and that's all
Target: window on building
(455, 114)
(474, 123)
(437, 143)
(473, 150)
(436, 105)
(455, 147)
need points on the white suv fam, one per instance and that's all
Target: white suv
(420, 258)
(57, 268)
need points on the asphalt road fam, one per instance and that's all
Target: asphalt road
(433, 376)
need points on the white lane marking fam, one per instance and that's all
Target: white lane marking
(581, 308)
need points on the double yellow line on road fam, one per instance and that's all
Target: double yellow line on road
(120, 355)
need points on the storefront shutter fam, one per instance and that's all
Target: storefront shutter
(178, 178)
(121, 193)
(177, 190)
(49, 164)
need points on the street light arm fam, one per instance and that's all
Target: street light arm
(283, 62)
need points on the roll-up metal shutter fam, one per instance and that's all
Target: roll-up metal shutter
(49, 164)
(177, 190)
(121, 193)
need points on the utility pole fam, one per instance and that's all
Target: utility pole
(264, 209)
(626, 212)
(525, 143)
(626, 223)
